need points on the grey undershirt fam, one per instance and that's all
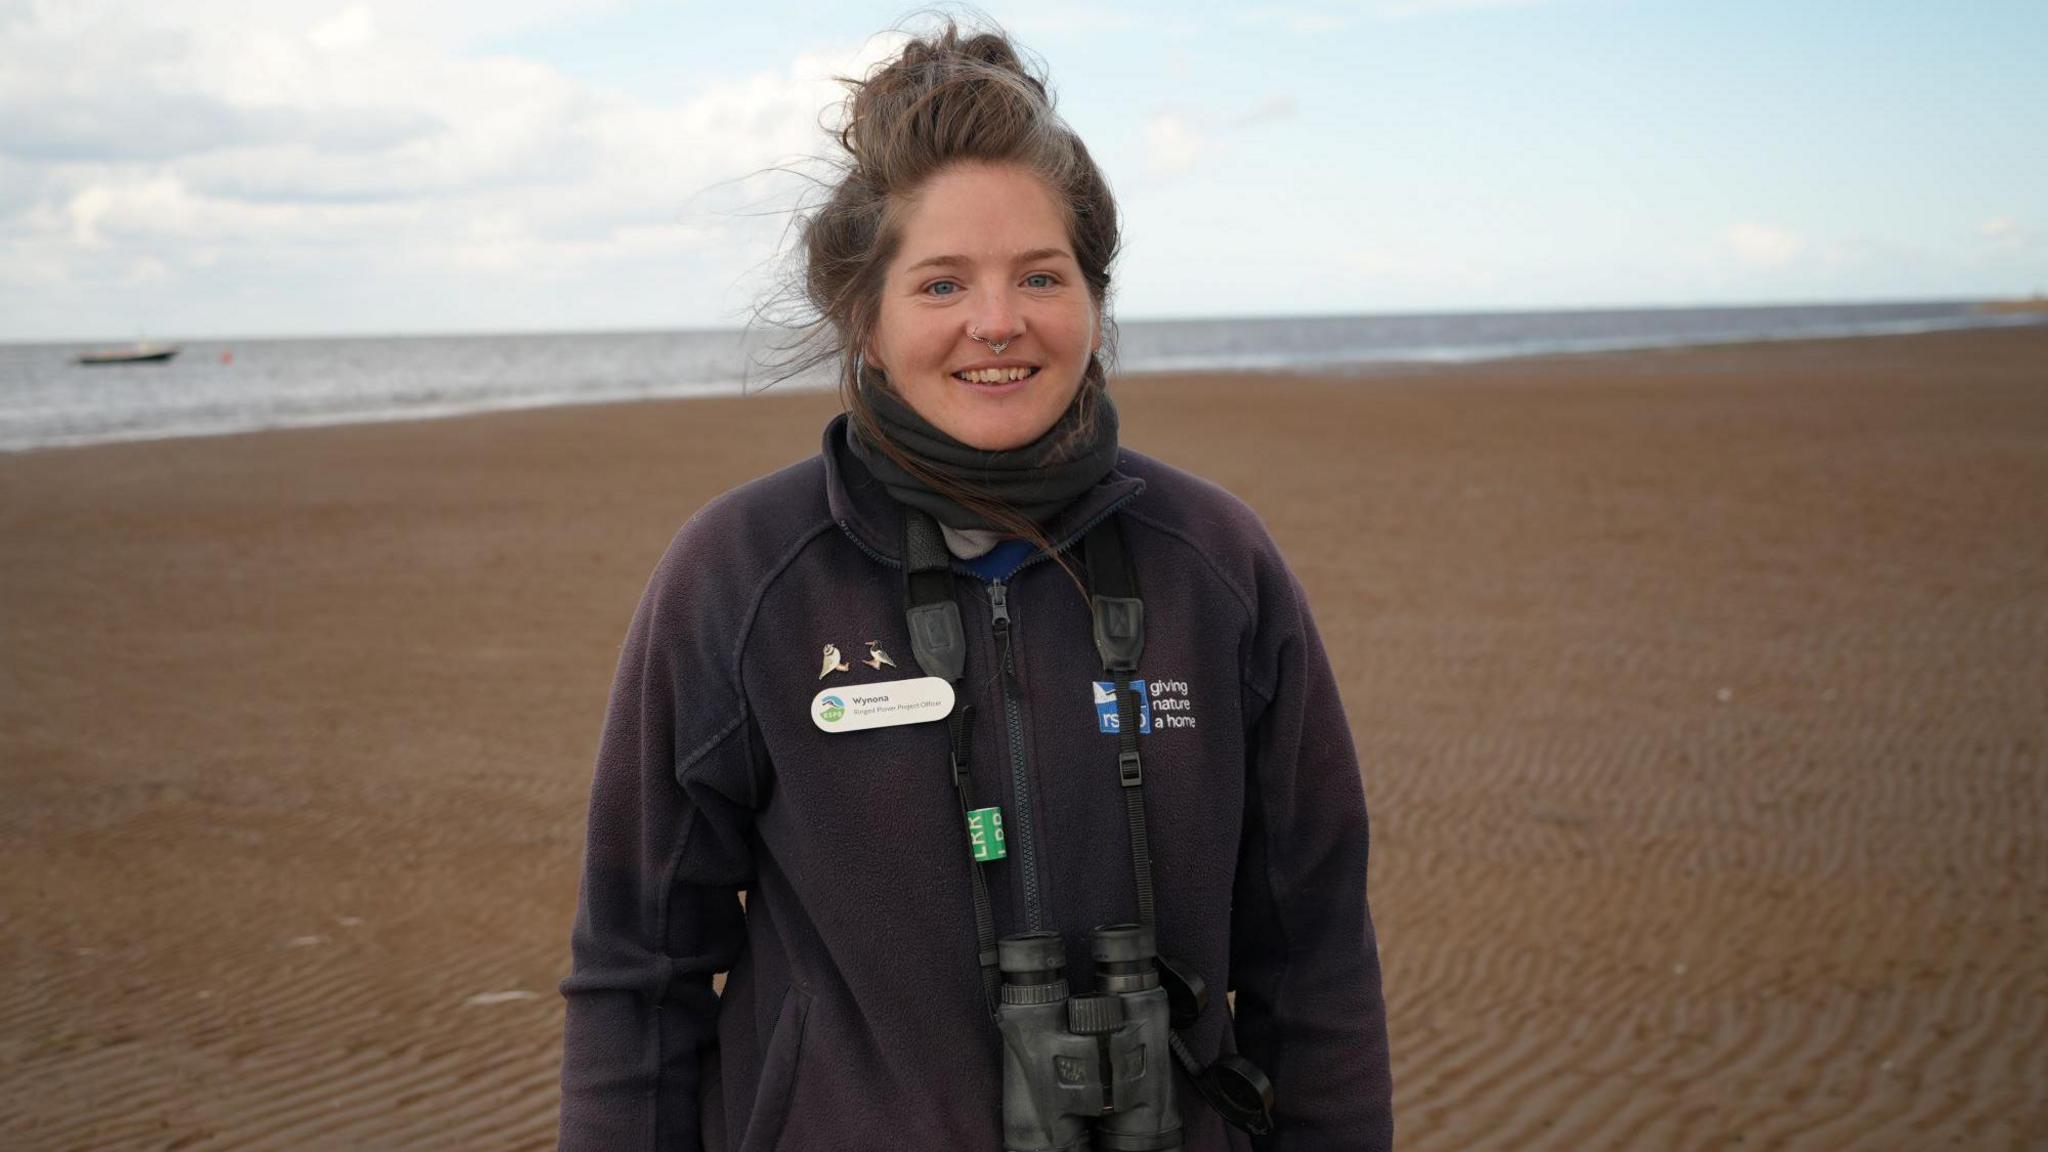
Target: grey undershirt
(967, 543)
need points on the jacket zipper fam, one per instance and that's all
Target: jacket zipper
(1020, 774)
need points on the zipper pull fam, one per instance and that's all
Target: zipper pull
(999, 600)
(962, 725)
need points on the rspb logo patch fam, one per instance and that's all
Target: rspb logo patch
(1161, 704)
(1106, 717)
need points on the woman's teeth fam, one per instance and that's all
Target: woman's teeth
(994, 375)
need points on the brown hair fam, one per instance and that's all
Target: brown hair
(949, 96)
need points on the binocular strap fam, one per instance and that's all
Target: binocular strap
(1237, 1090)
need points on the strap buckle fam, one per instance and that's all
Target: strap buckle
(1119, 632)
(1130, 772)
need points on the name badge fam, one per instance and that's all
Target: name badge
(850, 709)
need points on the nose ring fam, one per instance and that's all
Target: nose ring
(975, 334)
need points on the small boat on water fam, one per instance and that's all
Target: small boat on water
(137, 354)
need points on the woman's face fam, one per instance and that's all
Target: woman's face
(985, 251)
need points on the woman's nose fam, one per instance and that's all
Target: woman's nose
(997, 320)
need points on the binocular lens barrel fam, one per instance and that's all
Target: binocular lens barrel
(1124, 955)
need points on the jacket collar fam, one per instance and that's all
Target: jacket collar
(866, 511)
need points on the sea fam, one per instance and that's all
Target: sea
(228, 385)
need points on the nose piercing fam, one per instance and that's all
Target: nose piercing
(975, 334)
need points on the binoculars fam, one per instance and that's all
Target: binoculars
(1086, 1072)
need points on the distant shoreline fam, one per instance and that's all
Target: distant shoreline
(1420, 360)
(2036, 305)
(216, 339)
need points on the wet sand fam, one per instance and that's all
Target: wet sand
(1702, 698)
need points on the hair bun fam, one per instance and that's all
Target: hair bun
(968, 92)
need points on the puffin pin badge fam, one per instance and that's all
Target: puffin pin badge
(833, 663)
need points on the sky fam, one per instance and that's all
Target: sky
(187, 168)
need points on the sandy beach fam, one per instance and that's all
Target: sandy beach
(1702, 699)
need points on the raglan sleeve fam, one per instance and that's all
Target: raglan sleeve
(1304, 957)
(666, 856)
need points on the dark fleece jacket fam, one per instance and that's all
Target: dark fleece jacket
(852, 1016)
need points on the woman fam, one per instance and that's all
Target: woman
(779, 726)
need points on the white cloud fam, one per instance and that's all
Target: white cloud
(1410, 265)
(1172, 146)
(353, 27)
(1281, 106)
(338, 141)
(1761, 246)
(146, 270)
(2003, 232)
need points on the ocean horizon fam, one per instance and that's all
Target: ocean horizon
(221, 385)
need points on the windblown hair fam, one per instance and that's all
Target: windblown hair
(948, 97)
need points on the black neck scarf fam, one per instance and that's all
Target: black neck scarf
(1033, 479)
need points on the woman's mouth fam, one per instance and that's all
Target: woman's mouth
(995, 377)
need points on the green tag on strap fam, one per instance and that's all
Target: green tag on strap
(985, 832)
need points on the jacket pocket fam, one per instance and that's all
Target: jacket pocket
(778, 1074)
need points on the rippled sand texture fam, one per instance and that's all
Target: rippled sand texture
(1702, 697)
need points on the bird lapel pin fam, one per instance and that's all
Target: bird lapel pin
(833, 663)
(877, 657)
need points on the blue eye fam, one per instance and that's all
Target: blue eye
(935, 285)
(1045, 276)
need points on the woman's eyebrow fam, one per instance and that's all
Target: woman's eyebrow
(962, 261)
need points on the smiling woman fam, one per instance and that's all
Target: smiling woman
(987, 325)
(961, 935)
